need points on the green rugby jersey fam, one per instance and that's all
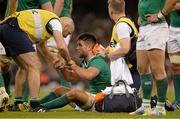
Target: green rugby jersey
(175, 18)
(27, 4)
(66, 8)
(103, 79)
(149, 7)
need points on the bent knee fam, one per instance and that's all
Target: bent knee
(176, 68)
(61, 90)
(159, 73)
(143, 70)
(72, 94)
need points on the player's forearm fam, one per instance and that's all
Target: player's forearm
(45, 52)
(47, 6)
(169, 5)
(58, 7)
(13, 5)
(81, 72)
(118, 53)
(63, 51)
(68, 75)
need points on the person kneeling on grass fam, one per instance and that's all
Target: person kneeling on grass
(93, 68)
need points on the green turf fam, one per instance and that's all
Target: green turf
(68, 112)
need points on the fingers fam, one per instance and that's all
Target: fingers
(59, 63)
(152, 18)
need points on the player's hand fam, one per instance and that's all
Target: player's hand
(101, 51)
(59, 63)
(152, 18)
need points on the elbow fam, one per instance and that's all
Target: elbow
(88, 77)
(126, 51)
(85, 77)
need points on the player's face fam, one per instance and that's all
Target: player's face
(82, 49)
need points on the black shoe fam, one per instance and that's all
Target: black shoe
(12, 107)
(153, 101)
(2, 109)
(168, 105)
(40, 109)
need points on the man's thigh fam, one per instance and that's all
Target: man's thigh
(28, 60)
(173, 44)
(143, 63)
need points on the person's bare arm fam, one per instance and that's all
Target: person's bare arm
(61, 45)
(12, 6)
(69, 75)
(58, 7)
(42, 48)
(47, 6)
(84, 74)
(122, 51)
(177, 6)
(168, 7)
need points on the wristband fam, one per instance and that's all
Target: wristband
(160, 15)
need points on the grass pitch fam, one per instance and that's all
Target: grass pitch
(68, 113)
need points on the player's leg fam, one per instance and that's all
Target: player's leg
(30, 62)
(81, 98)
(61, 90)
(174, 56)
(158, 70)
(176, 79)
(146, 80)
(156, 53)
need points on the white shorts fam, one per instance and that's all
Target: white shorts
(2, 50)
(173, 43)
(153, 36)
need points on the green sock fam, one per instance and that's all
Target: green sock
(49, 97)
(7, 80)
(176, 81)
(62, 81)
(57, 103)
(161, 86)
(146, 83)
(1, 81)
(26, 92)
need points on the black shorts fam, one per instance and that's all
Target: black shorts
(14, 40)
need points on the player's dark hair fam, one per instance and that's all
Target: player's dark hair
(88, 37)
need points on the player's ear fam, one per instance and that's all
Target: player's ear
(95, 48)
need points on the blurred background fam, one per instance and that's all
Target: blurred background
(89, 16)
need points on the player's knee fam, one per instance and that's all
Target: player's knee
(72, 94)
(59, 91)
(143, 70)
(159, 73)
(176, 68)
